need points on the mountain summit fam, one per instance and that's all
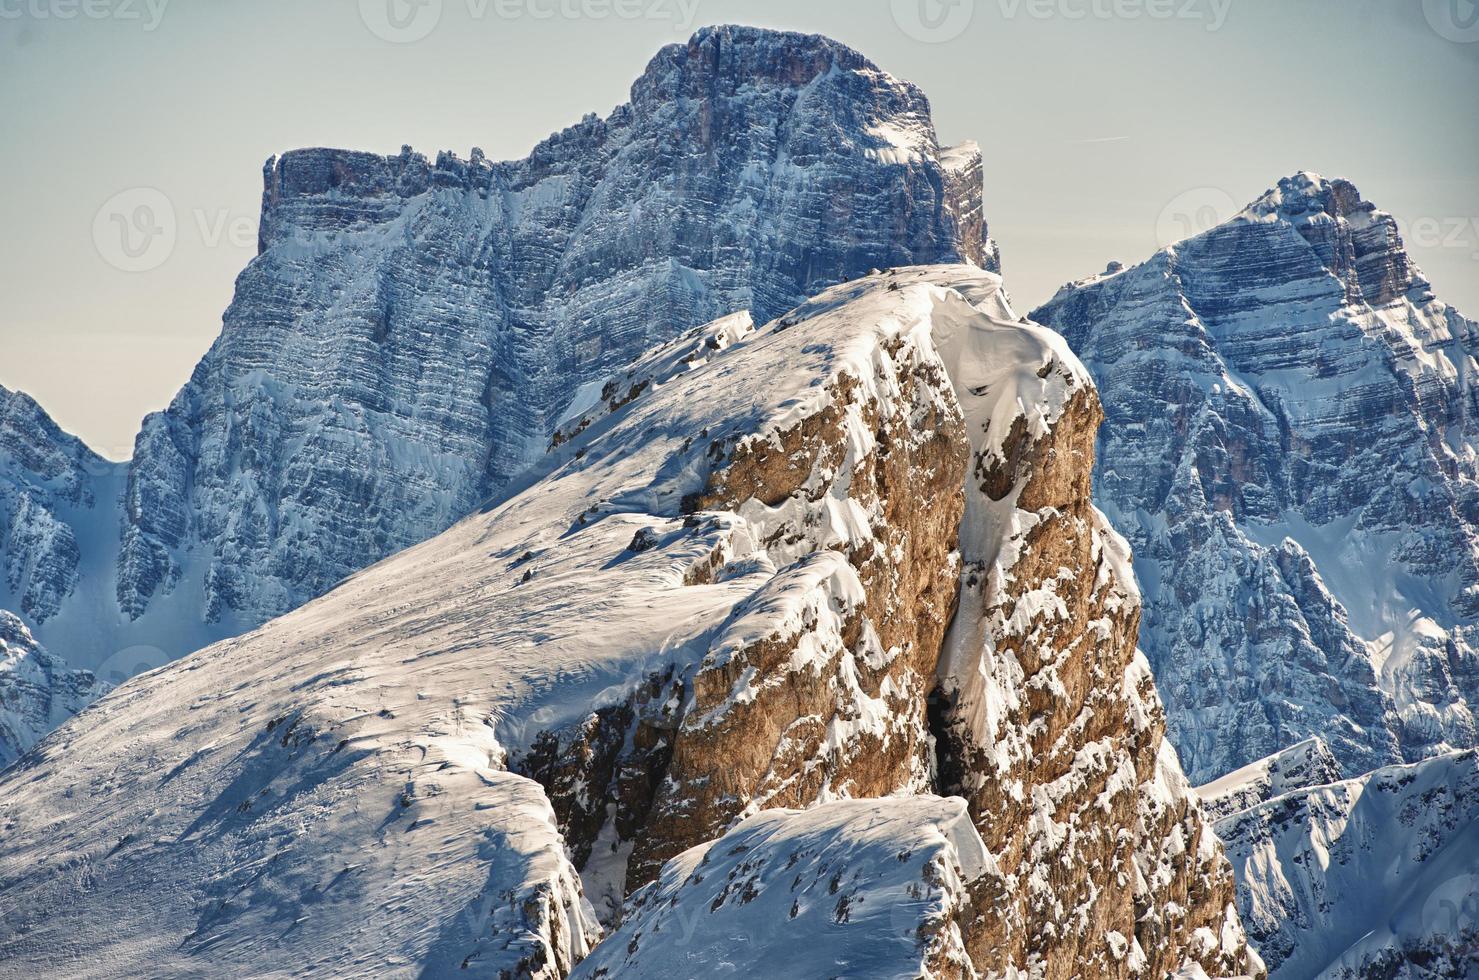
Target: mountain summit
(1292, 447)
(413, 329)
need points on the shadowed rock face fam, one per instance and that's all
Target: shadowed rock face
(46, 476)
(1046, 716)
(1291, 448)
(412, 329)
(37, 690)
(1376, 876)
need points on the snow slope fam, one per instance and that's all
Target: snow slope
(1304, 764)
(1373, 876)
(413, 328)
(724, 590)
(886, 882)
(1291, 447)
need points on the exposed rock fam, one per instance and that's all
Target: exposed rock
(412, 330)
(47, 478)
(1047, 717)
(1291, 447)
(758, 655)
(37, 690)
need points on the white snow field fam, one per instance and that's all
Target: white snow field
(328, 795)
(1372, 876)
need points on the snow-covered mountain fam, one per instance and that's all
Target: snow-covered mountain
(1376, 876)
(49, 487)
(37, 690)
(412, 331)
(1302, 765)
(1292, 447)
(887, 881)
(724, 590)
(57, 508)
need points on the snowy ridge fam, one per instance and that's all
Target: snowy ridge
(287, 818)
(1373, 876)
(1300, 766)
(723, 591)
(1291, 449)
(37, 690)
(885, 881)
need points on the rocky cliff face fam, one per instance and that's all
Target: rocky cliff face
(724, 591)
(1046, 714)
(1291, 449)
(1376, 876)
(47, 478)
(413, 329)
(37, 690)
(54, 493)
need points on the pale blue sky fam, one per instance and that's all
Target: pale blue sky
(1101, 120)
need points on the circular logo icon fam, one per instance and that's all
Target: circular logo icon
(933, 21)
(1453, 20)
(130, 662)
(400, 21)
(134, 230)
(1193, 212)
(1452, 911)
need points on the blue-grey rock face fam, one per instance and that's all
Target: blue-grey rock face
(1291, 446)
(37, 690)
(412, 329)
(46, 476)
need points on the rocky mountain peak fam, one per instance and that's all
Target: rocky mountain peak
(699, 655)
(1359, 244)
(37, 690)
(1290, 446)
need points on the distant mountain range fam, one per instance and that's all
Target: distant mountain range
(676, 537)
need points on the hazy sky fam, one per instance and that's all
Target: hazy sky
(1103, 123)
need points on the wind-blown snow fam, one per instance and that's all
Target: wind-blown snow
(329, 794)
(867, 888)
